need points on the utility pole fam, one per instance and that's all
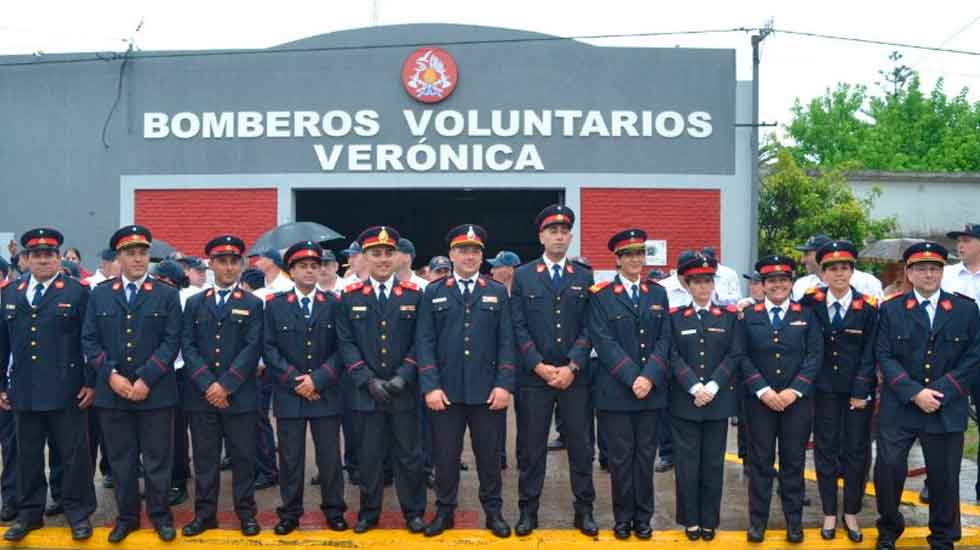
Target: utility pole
(757, 39)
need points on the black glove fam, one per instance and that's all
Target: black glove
(395, 386)
(377, 390)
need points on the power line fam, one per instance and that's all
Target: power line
(367, 47)
(877, 42)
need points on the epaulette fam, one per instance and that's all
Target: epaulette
(731, 308)
(870, 300)
(759, 307)
(353, 286)
(795, 307)
(674, 310)
(583, 265)
(598, 286)
(892, 296)
(409, 285)
(109, 280)
(816, 293)
(269, 297)
(964, 296)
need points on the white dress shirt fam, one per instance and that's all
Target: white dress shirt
(933, 302)
(376, 285)
(783, 309)
(957, 278)
(32, 287)
(459, 279)
(845, 302)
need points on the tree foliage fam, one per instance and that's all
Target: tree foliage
(794, 205)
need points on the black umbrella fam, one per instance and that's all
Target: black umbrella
(160, 249)
(288, 234)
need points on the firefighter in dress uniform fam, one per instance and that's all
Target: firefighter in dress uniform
(706, 351)
(784, 350)
(630, 329)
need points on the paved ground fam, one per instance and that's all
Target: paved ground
(555, 514)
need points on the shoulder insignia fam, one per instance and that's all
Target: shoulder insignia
(871, 300)
(22, 285)
(237, 295)
(147, 286)
(731, 308)
(116, 286)
(541, 267)
(569, 268)
(795, 307)
(644, 288)
(366, 289)
(716, 311)
(759, 307)
(409, 285)
(689, 311)
(674, 310)
(946, 304)
(857, 304)
(618, 289)
(450, 281)
(209, 293)
(397, 291)
(321, 296)
(482, 281)
(910, 303)
(598, 286)
(964, 296)
(353, 286)
(891, 296)
(269, 297)
(4, 283)
(59, 284)
(291, 297)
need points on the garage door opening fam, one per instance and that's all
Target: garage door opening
(425, 216)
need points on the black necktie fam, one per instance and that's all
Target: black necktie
(556, 277)
(306, 308)
(130, 293)
(382, 297)
(700, 317)
(635, 294)
(925, 309)
(838, 319)
(38, 292)
(466, 289)
(222, 298)
(777, 322)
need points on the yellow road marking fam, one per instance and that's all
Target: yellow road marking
(908, 497)
(58, 538)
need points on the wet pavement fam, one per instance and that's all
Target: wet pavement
(556, 505)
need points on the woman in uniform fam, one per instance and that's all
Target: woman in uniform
(706, 352)
(784, 350)
(630, 330)
(845, 386)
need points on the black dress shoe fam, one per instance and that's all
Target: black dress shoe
(643, 531)
(556, 444)
(463, 467)
(166, 532)
(415, 524)
(354, 477)
(794, 534)
(177, 495)
(225, 463)
(198, 526)
(264, 483)
(107, 482)
(924, 495)
(855, 535)
(755, 534)
(693, 534)
(585, 523)
(337, 523)
(663, 466)
(120, 531)
(389, 479)
(286, 526)
(81, 530)
(315, 480)
(54, 509)
(363, 526)
(707, 534)
(604, 466)
(621, 530)
(250, 527)
(885, 544)
(441, 522)
(526, 524)
(430, 480)
(807, 501)
(8, 513)
(19, 530)
(496, 524)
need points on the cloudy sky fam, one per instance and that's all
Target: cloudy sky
(792, 66)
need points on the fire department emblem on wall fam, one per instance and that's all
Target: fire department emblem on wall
(430, 75)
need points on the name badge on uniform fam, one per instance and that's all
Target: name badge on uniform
(410, 307)
(656, 307)
(64, 305)
(11, 306)
(489, 299)
(853, 331)
(358, 308)
(798, 324)
(573, 287)
(715, 329)
(439, 300)
(689, 331)
(244, 312)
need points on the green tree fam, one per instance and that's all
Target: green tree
(794, 205)
(901, 129)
